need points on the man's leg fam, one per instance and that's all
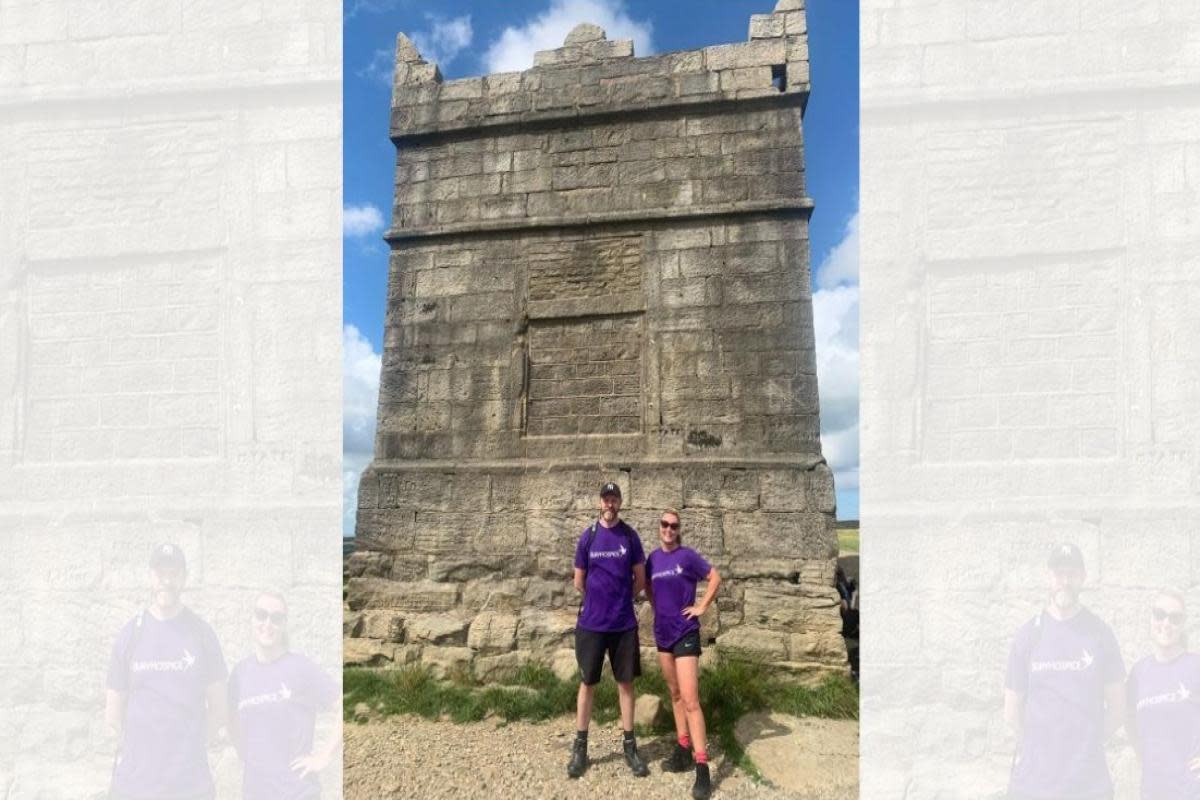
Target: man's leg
(583, 706)
(589, 654)
(626, 661)
(626, 701)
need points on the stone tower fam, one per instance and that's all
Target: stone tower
(599, 270)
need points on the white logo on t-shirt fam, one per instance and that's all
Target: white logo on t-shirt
(1077, 665)
(179, 665)
(1179, 696)
(282, 695)
(618, 553)
(668, 573)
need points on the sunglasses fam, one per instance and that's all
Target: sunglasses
(672, 525)
(277, 617)
(1160, 614)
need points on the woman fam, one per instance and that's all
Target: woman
(274, 698)
(673, 572)
(1164, 692)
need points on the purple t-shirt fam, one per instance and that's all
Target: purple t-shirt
(673, 577)
(275, 705)
(1062, 667)
(608, 588)
(1164, 699)
(164, 668)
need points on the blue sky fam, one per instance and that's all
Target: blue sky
(470, 37)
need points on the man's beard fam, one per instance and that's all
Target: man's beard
(1066, 599)
(166, 598)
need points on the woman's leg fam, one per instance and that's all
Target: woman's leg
(687, 676)
(667, 662)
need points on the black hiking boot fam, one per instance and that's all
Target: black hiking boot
(680, 759)
(636, 765)
(702, 788)
(579, 761)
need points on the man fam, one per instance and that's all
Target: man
(610, 569)
(1064, 692)
(165, 693)
(848, 593)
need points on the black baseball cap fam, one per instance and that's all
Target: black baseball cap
(1065, 554)
(167, 555)
(610, 488)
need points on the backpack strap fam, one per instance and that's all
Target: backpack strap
(134, 637)
(589, 536)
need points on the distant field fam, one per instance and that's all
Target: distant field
(847, 540)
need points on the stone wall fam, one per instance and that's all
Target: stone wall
(599, 272)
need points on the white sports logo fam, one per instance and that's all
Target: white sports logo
(1179, 696)
(1067, 665)
(179, 665)
(668, 573)
(618, 553)
(282, 695)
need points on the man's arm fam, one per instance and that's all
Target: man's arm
(579, 575)
(1114, 707)
(639, 579)
(1014, 704)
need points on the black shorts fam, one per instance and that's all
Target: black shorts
(623, 654)
(689, 645)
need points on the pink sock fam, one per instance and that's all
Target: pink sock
(701, 757)
(685, 741)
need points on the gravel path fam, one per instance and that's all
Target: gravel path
(406, 757)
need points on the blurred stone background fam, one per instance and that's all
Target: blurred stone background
(169, 231)
(1030, 197)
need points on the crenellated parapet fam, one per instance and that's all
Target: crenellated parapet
(591, 75)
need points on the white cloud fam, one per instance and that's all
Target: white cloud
(381, 67)
(360, 221)
(835, 325)
(360, 397)
(445, 39)
(840, 267)
(515, 48)
(357, 7)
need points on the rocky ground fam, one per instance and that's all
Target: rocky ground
(404, 757)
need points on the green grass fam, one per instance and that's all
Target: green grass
(727, 692)
(847, 540)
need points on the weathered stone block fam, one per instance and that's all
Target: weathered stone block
(386, 626)
(766, 26)
(499, 668)
(753, 644)
(404, 597)
(445, 662)
(439, 629)
(545, 630)
(493, 633)
(824, 646)
(788, 608)
(366, 652)
(503, 595)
